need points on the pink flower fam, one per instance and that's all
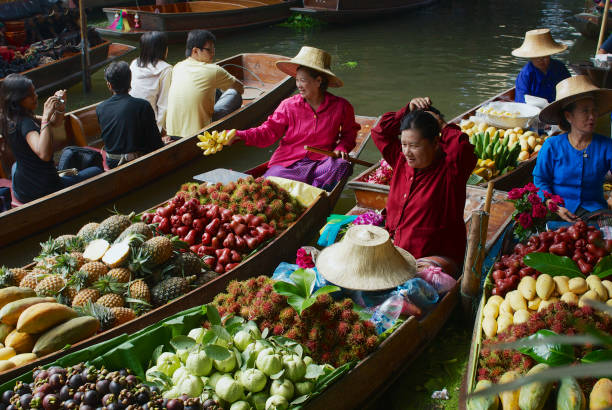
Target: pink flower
(515, 193)
(304, 259)
(558, 200)
(539, 211)
(547, 194)
(553, 206)
(525, 220)
(534, 199)
(531, 188)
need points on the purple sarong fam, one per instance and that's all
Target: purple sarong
(323, 174)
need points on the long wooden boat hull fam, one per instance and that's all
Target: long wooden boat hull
(588, 24)
(347, 11)
(62, 205)
(217, 16)
(283, 247)
(67, 71)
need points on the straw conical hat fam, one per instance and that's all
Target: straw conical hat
(573, 89)
(538, 43)
(366, 259)
(312, 58)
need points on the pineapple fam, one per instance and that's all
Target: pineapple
(69, 294)
(85, 296)
(159, 249)
(169, 289)
(122, 315)
(189, 264)
(79, 280)
(94, 270)
(65, 264)
(105, 316)
(122, 275)
(110, 228)
(96, 249)
(12, 276)
(108, 284)
(87, 232)
(139, 290)
(116, 255)
(50, 248)
(80, 259)
(68, 243)
(139, 228)
(30, 281)
(50, 286)
(111, 300)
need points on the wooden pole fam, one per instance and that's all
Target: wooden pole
(84, 48)
(474, 258)
(602, 31)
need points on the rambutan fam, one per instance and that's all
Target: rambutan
(248, 207)
(342, 329)
(290, 217)
(261, 205)
(234, 308)
(276, 206)
(267, 309)
(278, 329)
(292, 334)
(369, 326)
(372, 342)
(259, 180)
(224, 197)
(263, 217)
(314, 334)
(286, 315)
(349, 315)
(325, 300)
(313, 346)
(219, 186)
(234, 288)
(230, 187)
(289, 207)
(355, 338)
(277, 299)
(222, 310)
(267, 288)
(326, 357)
(266, 324)
(214, 196)
(244, 311)
(268, 212)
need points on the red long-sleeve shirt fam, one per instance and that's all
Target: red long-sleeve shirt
(425, 206)
(332, 127)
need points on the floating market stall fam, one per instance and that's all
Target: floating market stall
(221, 224)
(265, 87)
(540, 288)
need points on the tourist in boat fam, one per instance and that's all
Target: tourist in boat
(129, 129)
(196, 85)
(152, 75)
(542, 73)
(313, 117)
(431, 162)
(30, 138)
(573, 165)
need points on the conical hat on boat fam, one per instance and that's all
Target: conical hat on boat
(366, 259)
(314, 58)
(573, 89)
(538, 43)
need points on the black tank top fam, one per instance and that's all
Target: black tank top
(33, 177)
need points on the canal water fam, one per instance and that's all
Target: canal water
(457, 52)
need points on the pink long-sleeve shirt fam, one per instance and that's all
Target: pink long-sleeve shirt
(332, 127)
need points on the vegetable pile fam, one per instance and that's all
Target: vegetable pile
(85, 387)
(574, 251)
(260, 197)
(222, 238)
(238, 366)
(332, 331)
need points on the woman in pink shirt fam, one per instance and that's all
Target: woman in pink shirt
(313, 117)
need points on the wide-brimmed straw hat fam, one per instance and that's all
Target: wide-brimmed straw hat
(366, 259)
(538, 43)
(314, 58)
(573, 89)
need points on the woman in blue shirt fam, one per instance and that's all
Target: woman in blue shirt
(541, 74)
(574, 164)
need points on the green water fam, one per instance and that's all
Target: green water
(457, 52)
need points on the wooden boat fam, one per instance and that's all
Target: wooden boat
(266, 87)
(215, 15)
(346, 11)
(600, 76)
(375, 195)
(589, 24)
(67, 70)
(282, 247)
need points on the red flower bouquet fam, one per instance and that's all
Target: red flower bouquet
(530, 212)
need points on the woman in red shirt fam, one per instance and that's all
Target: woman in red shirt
(313, 117)
(431, 162)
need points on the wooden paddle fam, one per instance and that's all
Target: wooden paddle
(602, 31)
(334, 155)
(474, 258)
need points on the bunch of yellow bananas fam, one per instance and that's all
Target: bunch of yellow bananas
(211, 143)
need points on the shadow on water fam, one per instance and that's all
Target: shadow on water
(456, 51)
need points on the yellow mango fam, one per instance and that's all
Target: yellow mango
(495, 299)
(608, 285)
(601, 395)
(546, 303)
(509, 399)
(589, 294)
(505, 307)
(569, 298)
(578, 285)
(544, 286)
(521, 316)
(491, 310)
(503, 321)
(562, 284)
(595, 284)
(534, 304)
(516, 300)
(527, 287)
(489, 326)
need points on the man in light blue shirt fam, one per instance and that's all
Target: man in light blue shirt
(541, 74)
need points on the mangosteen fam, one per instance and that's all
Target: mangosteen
(64, 393)
(25, 400)
(91, 397)
(114, 406)
(209, 403)
(114, 387)
(51, 402)
(6, 396)
(174, 404)
(11, 407)
(40, 374)
(70, 404)
(142, 397)
(56, 380)
(22, 388)
(76, 381)
(102, 387)
(123, 372)
(78, 397)
(86, 407)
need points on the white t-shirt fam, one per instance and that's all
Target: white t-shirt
(152, 84)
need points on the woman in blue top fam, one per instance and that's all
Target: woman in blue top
(31, 140)
(541, 74)
(573, 165)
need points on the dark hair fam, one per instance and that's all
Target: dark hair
(314, 74)
(198, 39)
(153, 46)
(563, 123)
(422, 121)
(13, 90)
(119, 76)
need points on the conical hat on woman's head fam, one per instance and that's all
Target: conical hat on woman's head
(366, 259)
(538, 43)
(314, 58)
(573, 89)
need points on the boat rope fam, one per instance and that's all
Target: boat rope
(246, 69)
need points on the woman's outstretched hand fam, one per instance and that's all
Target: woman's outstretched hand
(566, 215)
(341, 154)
